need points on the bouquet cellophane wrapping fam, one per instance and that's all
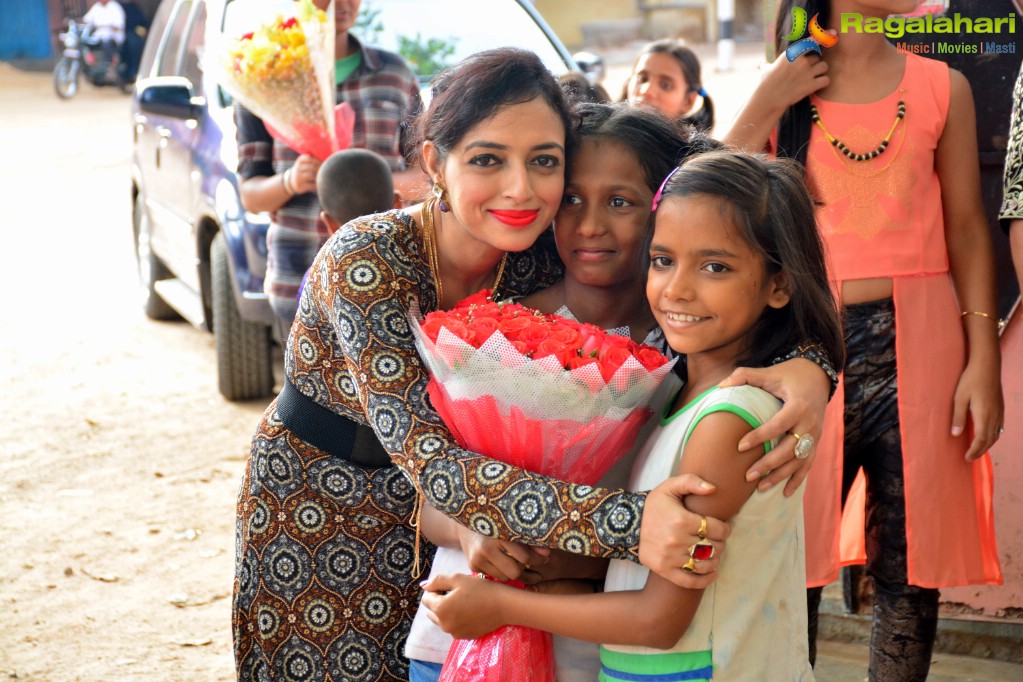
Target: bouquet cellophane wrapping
(283, 72)
(507, 654)
(537, 415)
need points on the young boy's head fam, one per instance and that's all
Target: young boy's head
(353, 183)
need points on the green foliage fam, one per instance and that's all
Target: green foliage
(426, 58)
(368, 25)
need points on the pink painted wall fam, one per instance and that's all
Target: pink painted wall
(1004, 602)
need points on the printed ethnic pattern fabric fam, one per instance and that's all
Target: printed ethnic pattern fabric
(1012, 188)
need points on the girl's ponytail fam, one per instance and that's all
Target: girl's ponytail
(703, 119)
(794, 126)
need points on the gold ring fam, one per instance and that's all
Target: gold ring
(804, 445)
(690, 566)
(701, 551)
(702, 533)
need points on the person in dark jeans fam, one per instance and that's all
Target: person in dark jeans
(136, 27)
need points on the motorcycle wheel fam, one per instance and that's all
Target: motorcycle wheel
(65, 78)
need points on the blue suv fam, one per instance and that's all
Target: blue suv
(201, 256)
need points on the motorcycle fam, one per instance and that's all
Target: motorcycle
(83, 57)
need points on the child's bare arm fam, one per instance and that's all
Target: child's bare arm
(783, 84)
(655, 616)
(971, 261)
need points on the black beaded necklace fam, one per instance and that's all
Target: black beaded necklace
(900, 114)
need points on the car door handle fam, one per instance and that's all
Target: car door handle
(164, 134)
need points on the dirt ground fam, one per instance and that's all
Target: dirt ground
(119, 462)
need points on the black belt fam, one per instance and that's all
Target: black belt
(329, 431)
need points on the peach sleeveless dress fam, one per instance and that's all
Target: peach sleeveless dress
(883, 218)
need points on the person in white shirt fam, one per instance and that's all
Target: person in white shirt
(106, 18)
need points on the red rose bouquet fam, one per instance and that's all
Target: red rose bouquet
(541, 392)
(284, 73)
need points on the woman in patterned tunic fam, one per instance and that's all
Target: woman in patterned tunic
(326, 582)
(1010, 215)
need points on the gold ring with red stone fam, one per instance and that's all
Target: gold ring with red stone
(701, 551)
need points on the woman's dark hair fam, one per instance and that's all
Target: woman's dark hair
(659, 143)
(703, 119)
(477, 87)
(794, 126)
(769, 204)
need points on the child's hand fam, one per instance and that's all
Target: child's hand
(788, 82)
(561, 564)
(462, 605)
(302, 175)
(500, 559)
(979, 394)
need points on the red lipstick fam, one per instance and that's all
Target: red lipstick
(515, 218)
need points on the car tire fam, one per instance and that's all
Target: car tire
(65, 77)
(244, 369)
(150, 269)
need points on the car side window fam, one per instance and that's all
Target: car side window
(191, 67)
(175, 35)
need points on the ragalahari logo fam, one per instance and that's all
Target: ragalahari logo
(818, 38)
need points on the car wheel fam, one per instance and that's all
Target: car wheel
(244, 369)
(150, 269)
(65, 78)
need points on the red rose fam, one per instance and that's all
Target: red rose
(575, 362)
(535, 334)
(567, 336)
(612, 359)
(551, 346)
(591, 340)
(461, 330)
(649, 357)
(289, 23)
(515, 310)
(431, 326)
(613, 341)
(487, 309)
(247, 36)
(479, 298)
(511, 327)
(482, 328)
(521, 347)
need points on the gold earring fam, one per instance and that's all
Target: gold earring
(441, 193)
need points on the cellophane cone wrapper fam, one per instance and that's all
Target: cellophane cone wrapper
(283, 72)
(508, 654)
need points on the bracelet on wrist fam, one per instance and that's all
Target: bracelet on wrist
(998, 323)
(286, 183)
(979, 313)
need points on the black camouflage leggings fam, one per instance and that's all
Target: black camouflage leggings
(905, 616)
